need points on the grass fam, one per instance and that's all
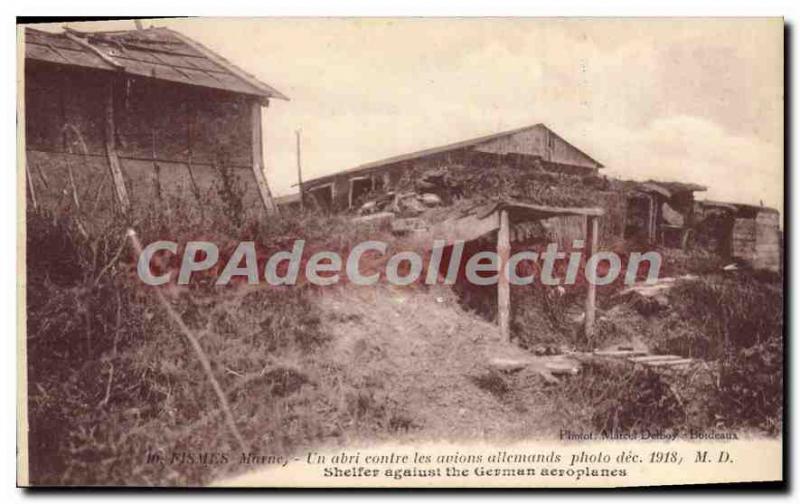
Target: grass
(732, 324)
(111, 381)
(612, 397)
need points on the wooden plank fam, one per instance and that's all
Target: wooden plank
(409, 224)
(545, 211)
(299, 171)
(768, 239)
(767, 247)
(562, 368)
(503, 287)
(508, 365)
(147, 159)
(111, 151)
(620, 353)
(768, 218)
(654, 358)
(465, 229)
(591, 293)
(31, 188)
(103, 56)
(258, 159)
(669, 363)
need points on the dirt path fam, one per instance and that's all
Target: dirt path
(432, 360)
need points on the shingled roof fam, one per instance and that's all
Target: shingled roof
(158, 53)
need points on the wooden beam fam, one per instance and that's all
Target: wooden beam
(592, 229)
(146, 159)
(70, 34)
(653, 219)
(258, 159)
(466, 228)
(503, 288)
(111, 151)
(299, 171)
(31, 188)
(545, 211)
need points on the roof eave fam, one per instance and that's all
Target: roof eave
(266, 90)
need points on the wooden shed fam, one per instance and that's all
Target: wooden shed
(522, 154)
(504, 219)
(747, 233)
(124, 121)
(535, 145)
(661, 212)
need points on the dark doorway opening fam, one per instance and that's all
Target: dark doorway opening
(322, 197)
(359, 187)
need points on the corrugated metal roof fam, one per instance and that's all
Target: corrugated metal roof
(158, 53)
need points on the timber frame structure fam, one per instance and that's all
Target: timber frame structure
(500, 217)
(165, 115)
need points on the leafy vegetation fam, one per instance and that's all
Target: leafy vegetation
(112, 380)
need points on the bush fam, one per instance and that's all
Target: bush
(111, 380)
(749, 391)
(733, 327)
(615, 398)
(715, 315)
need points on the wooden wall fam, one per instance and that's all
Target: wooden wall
(757, 240)
(539, 141)
(174, 141)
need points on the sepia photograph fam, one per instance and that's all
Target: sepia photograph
(484, 252)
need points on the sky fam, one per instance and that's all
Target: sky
(695, 100)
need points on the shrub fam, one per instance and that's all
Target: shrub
(714, 315)
(615, 398)
(111, 380)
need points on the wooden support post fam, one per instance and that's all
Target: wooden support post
(258, 159)
(653, 222)
(31, 188)
(111, 151)
(591, 294)
(299, 171)
(503, 288)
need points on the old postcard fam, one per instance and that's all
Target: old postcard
(401, 252)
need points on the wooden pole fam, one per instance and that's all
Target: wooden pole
(591, 293)
(154, 151)
(111, 151)
(652, 230)
(258, 159)
(503, 289)
(31, 189)
(299, 171)
(190, 111)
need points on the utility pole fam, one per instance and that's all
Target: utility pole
(299, 170)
